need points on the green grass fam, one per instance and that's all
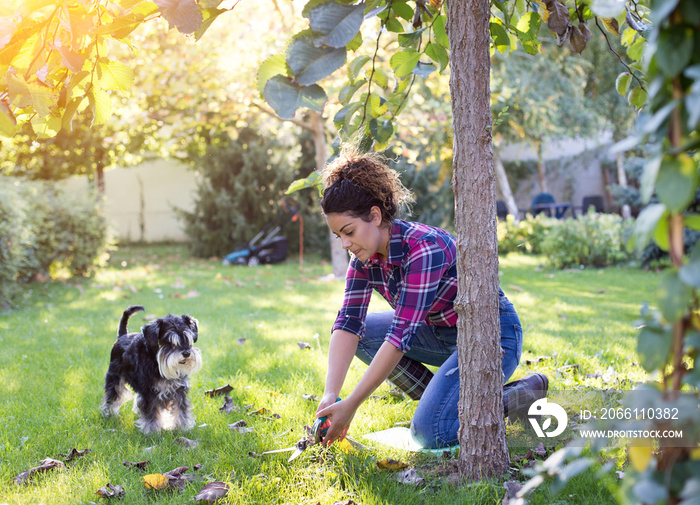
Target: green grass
(54, 352)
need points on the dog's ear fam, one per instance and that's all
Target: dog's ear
(192, 323)
(151, 332)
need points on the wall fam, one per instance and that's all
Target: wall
(139, 201)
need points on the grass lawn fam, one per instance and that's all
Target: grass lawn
(55, 350)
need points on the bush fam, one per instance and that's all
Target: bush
(526, 236)
(592, 239)
(43, 230)
(244, 179)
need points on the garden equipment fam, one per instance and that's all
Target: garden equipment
(266, 246)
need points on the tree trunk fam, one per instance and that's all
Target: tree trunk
(339, 256)
(482, 437)
(622, 180)
(541, 169)
(502, 179)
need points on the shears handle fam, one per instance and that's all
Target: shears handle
(320, 427)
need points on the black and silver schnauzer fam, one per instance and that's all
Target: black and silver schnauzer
(156, 363)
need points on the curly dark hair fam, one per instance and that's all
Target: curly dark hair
(355, 183)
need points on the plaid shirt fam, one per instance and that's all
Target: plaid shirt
(419, 280)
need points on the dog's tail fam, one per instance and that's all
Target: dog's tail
(125, 318)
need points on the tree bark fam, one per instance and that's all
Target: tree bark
(482, 436)
(541, 169)
(502, 179)
(339, 256)
(622, 180)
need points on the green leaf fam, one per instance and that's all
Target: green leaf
(382, 131)
(339, 23)
(692, 221)
(394, 25)
(636, 50)
(648, 179)
(528, 26)
(404, 62)
(114, 75)
(661, 234)
(500, 37)
(637, 97)
(348, 91)
(411, 39)
(355, 43)
(403, 10)
(677, 182)
(274, 65)
(653, 347)
(377, 106)
(46, 127)
(622, 83)
(310, 64)
(690, 272)
(645, 225)
(285, 97)
(380, 78)
(313, 180)
(208, 17)
(673, 296)
(343, 116)
(438, 54)
(355, 67)
(439, 31)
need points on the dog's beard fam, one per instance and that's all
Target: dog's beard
(173, 365)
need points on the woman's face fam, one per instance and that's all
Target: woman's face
(363, 239)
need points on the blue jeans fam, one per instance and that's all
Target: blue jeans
(436, 420)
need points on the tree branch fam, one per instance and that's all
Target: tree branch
(629, 69)
(297, 122)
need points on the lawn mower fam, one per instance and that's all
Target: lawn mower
(266, 246)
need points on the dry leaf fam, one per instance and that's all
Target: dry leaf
(304, 345)
(212, 492)
(391, 464)
(73, 454)
(540, 450)
(219, 391)
(187, 443)
(111, 491)
(156, 481)
(240, 426)
(141, 465)
(409, 476)
(241, 341)
(46, 464)
(312, 398)
(512, 488)
(640, 457)
(258, 412)
(514, 287)
(227, 407)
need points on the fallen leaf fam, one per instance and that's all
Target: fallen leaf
(46, 464)
(240, 426)
(187, 443)
(212, 492)
(312, 398)
(304, 345)
(512, 488)
(73, 454)
(192, 294)
(514, 287)
(219, 391)
(156, 481)
(258, 412)
(111, 491)
(391, 464)
(540, 450)
(227, 407)
(409, 476)
(141, 465)
(241, 341)
(640, 457)
(563, 316)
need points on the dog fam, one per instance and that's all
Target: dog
(156, 364)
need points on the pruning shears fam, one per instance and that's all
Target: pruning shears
(313, 436)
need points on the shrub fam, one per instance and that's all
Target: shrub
(590, 240)
(244, 179)
(526, 236)
(43, 230)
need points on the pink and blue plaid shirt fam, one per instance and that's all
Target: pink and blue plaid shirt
(419, 280)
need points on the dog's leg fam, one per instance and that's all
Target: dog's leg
(116, 393)
(185, 420)
(148, 409)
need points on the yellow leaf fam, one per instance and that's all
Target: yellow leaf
(156, 481)
(695, 453)
(391, 464)
(435, 4)
(640, 457)
(542, 10)
(101, 105)
(345, 446)
(611, 25)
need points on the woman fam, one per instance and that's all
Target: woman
(413, 267)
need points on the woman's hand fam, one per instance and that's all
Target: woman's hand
(340, 415)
